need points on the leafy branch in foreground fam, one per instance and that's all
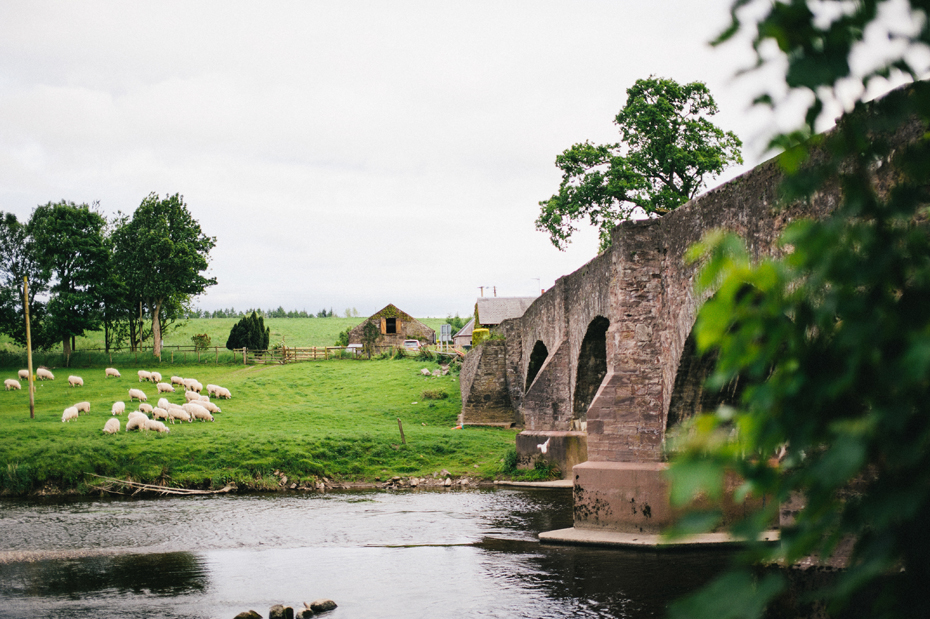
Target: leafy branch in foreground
(833, 339)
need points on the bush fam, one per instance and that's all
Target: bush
(250, 332)
(201, 341)
(478, 336)
(434, 394)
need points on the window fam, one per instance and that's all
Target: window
(390, 325)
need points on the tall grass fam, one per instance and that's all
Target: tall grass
(308, 420)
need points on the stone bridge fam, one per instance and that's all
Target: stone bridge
(604, 364)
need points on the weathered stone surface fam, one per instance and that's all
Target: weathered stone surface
(564, 450)
(249, 614)
(322, 605)
(304, 613)
(485, 399)
(279, 611)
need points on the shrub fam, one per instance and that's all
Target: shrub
(250, 332)
(478, 336)
(434, 394)
(201, 341)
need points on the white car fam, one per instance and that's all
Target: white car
(412, 344)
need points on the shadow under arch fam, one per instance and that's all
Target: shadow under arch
(592, 368)
(537, 359)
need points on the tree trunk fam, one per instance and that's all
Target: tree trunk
(156, 328)
(66, 345)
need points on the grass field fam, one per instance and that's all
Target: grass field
(294, 331)
(327, 418)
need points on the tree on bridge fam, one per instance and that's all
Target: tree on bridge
(668, 150)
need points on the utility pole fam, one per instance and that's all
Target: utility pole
(32, 389)
(495, 291)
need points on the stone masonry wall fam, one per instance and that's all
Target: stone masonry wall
(485, 398)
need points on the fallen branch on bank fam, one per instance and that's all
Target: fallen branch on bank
(122, 484)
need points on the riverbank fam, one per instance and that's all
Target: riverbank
(289, 427)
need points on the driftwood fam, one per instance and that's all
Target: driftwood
(139, 487)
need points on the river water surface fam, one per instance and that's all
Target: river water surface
(468, 553)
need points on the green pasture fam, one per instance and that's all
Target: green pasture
(335, 418)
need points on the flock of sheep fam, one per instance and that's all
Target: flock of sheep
(196, 406)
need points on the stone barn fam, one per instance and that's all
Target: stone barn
(394, 326)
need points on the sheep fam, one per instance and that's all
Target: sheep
(69, 414)
(191, 396)
(163, 403)
(12, 383)
(156, 377)
(176, 412)
(193, 384)
(146, 408)
(111, 372)
(198, 412)
(204, 398)
(137, 414)
(144, 376)
(159, 413)
(137, 394)
(24, 374)
(75, 381)
(111, 426)
(44, 374)
(118, 408)
(177, 380)
(223, 392)
(83, 407)
(136, 423)
(157, 426)
(164, 388)
(210, 406)
(211, 389)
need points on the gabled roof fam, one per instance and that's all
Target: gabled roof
(391, 311)
(495, 310)
(466, 330)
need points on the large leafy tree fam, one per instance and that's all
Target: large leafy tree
(839, 388)
(162, 253)
(69, 245)
(667, 151)
(18, 259)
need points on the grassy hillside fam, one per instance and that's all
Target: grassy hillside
(328, 418)
(294, 331)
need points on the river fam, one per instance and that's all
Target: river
(410, 554)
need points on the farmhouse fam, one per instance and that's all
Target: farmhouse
(462, 339)
(394, 326)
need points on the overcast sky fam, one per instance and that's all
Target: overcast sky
(344, 154)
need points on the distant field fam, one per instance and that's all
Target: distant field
(326, 418)
(294, 331)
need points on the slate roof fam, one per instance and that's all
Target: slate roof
(495, 310)
(466, 330)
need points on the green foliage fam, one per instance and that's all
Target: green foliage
(434, 394)
(251, 333)
(201, 341)
(833, 339)
(370, 335)
(457, 322)
(425, 354)
(343, 339)
(668, 149)
(478, 336)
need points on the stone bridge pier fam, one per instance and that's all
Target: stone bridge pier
(603, 364)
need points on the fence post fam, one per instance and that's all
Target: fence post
(217, 360)
(244, 357)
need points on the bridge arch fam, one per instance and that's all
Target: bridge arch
(592, 368)
(537, 358)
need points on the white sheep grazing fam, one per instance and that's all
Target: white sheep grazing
(193, 384)
(159, 413)
(118, 408)
(144, 376)
(44, 374)
(146, 408)
(156, 377)
(198, 412)
(111, 372)
(177, 380)
(136, 423)
(223, 392)
(24, 374)
(178, 413)
(211, 389)
(69, 414)
(83, 407)
(191, 396)
(157, 426)
(111, 426)
(164, 388)
(163, 403)
(210, 406)
(75, 381)
(137, 394)
(12, 383)
(204, 398)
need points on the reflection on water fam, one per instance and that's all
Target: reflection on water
(412, 554)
